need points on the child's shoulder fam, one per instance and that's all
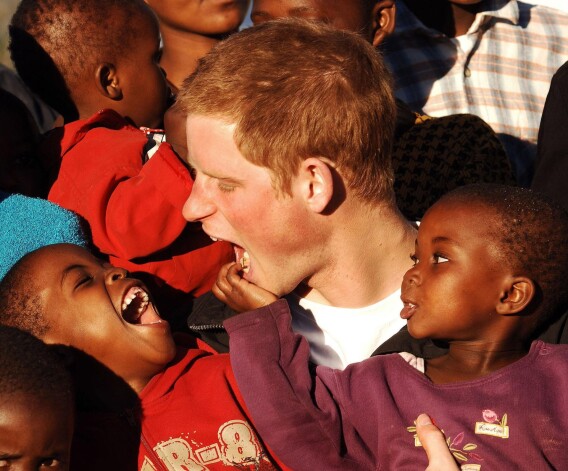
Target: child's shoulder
(543, 348)
(551, 357)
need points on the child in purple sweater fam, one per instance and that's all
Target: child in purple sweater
(489, 269)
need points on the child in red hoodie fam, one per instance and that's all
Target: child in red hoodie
(143, 402)
(126, 182)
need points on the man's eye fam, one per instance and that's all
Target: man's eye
(439, 259)
(226, 188)
(414, 259)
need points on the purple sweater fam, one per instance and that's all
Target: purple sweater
(363, 417)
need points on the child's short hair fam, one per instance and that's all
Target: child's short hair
(20, 301)
(32, 368)
(531, 232)
(75, 34)
(297, 89)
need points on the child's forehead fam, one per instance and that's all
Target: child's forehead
(57, 257)
(461, 219)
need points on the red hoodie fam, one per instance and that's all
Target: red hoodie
(134, 209)
(190, 417)
(194, 418)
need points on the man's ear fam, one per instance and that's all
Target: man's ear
(383, 20)
(516, 296)
(106, 79)
(316, 180)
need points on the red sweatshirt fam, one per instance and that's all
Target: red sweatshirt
(191, 417)
(194, 418)
(133, 208)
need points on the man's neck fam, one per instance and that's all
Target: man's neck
(369, 255)
(448, 18)
(181, 52)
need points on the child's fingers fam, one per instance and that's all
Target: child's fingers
(233, 275)
(222, 286)
(434, 443)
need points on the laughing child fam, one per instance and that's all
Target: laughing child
(489, 270)
(143, 401)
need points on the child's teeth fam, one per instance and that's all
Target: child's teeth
(127, 302)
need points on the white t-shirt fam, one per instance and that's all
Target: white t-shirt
(341, 336)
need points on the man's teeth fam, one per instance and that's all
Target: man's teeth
(245, 262)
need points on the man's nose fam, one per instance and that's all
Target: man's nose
(198, 206)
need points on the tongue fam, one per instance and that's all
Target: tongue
(149, 316)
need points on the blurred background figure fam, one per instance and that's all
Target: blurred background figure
(20, 169)
(190, 28)
(558, 4)
(491, 58)
(7, 9)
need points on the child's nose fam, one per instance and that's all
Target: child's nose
(412, 276)
(115, 273)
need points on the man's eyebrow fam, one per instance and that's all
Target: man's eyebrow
(221, 177)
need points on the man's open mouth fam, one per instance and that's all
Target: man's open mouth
(137, 309)
(242, 257)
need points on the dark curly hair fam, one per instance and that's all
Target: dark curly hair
(530, 230)
(20, 302)
(32, 368)
(55, 43)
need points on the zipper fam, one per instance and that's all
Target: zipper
(206, 327)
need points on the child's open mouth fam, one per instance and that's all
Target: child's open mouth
(135, 308)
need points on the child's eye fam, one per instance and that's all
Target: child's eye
(414, 259)
(50, 463)
(83, 280)
(439, 259)
(25, 160)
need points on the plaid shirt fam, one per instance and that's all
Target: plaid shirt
(511, 53)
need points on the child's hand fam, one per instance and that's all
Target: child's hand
(238, 293)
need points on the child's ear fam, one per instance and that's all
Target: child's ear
(383, 20)
(516, 295)
(106, 79)
(316, 180)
